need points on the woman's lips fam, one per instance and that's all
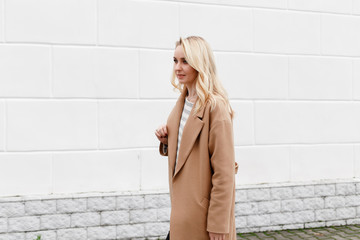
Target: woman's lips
(180, 76)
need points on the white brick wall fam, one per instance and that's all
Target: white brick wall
(146, 215)
(84, 84)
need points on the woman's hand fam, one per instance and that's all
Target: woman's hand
(216, 236)
(161, 134)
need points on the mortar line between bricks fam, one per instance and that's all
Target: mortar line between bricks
(144, 48)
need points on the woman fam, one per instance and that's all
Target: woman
(198, 140)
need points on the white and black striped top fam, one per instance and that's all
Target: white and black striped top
(184, 116)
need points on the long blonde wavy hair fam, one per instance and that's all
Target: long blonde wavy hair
(199, 56)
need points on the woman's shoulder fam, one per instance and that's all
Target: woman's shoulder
(220, 111)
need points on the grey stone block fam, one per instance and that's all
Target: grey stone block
(115, 217)
(101, 203)
(101, 233)
(72, 233)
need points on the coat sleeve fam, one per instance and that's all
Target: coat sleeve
(222, 158)
(163, 149)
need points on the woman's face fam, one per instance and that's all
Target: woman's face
(184, 72)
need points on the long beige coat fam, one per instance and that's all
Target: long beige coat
(202, 187)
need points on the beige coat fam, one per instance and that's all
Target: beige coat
(202, 188)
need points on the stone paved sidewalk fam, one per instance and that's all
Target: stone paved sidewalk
(339, 232)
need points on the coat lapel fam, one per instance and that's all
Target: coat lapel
(173, 129)
(192, 128)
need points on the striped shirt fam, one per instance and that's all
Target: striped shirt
(184, 116)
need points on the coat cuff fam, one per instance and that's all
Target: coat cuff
(163, 149)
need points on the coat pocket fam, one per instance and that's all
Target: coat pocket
(205, 203)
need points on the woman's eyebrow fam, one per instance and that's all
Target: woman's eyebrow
(180, 58)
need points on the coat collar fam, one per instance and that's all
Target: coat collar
(191, 131)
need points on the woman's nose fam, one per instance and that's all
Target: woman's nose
(177, 66)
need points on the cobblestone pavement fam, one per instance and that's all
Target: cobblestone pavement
(339, 232)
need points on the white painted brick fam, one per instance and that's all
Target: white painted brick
(240, 196)
(335, 6)
(358, 185)
(79, 26)
(151, 162)
(51, 125)
(345, 189)
(12, 236)
(71, 205)
(314, 203)
(156, 229)
(345, 213)
(292, 205)
(303, 122)
(163, 214)
(40, 207)
(95, 72)
(73, 234)
(304, 216)
(99, 233)
(20, 224)
(281, 193)
(303, 191)
(115, 217)
(210, 20)
(325, 214)
(357, 165)
(3, 225)
(129, 231)
(143, 216)
(100, 171)
(292, 226)
(334, 202)
(260, 194)
(259, 164)
(130, 202)
(253, 76)
(240, 221)
(335, 223)
(1, 21)
(356, 7)
(320, 78)
(314, 225)
(85, 219)
(286, 32)
(158, 74)
(324, 190)
(322, 162)
(54, 221)
(2, 124)
(243, 124)
(101, 203)
(282, 218)
(123, 23)
(46, 235)
(269, 207)
(23, 181)
(19, 64)
(117, 118)
(357, 211)
(246, 208)
(356, 79)
(12, 209)
(253, 3)
(340, 35)
(157, 201)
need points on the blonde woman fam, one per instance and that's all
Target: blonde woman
(198, 140)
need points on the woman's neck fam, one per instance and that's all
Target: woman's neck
(191, 94)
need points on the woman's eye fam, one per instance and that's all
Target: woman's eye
(175, 61)
(185, 61)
